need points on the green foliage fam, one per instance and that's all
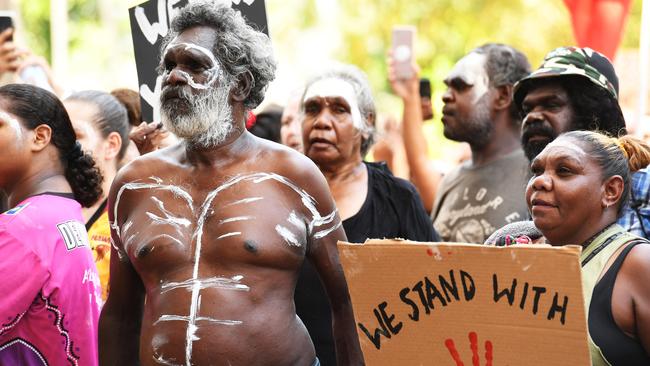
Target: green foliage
(360, 33)
(633, 27)
(82, 20)
(447, 30)
(36, 22)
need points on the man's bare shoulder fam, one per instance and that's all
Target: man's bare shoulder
(151, 164)
(290, 163)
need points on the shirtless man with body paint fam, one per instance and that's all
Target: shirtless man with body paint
(213, 231)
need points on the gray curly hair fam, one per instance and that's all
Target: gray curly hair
(357, 78)
(504, 65)
(238, 47)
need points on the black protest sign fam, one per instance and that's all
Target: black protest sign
(150, 24)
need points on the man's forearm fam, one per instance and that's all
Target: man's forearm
(348, 350)
(415, 146)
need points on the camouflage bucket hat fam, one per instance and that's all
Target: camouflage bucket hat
(571, 61)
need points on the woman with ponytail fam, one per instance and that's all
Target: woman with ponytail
(50, 295)
(580, 184)
(101, 126)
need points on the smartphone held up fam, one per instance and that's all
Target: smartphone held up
(402, 46)
(6, 20)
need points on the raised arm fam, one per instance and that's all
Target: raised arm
(323, 254)
(121, 318)
(423, 176)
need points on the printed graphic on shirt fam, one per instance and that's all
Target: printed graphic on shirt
(74, 234)
(472, 216)
(17, 209)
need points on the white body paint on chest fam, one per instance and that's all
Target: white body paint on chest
(335, 87)
(159, 359)
(227, 235)
(235, 219)
(232, 283)
(245, 201)
(196, 284)
(288, 236)
(133, 186)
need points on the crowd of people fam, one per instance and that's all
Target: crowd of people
(209, 237)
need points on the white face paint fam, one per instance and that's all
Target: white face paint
(335, 87)
(209, 120)
(471, 69)
(213, 72)
(13, 123)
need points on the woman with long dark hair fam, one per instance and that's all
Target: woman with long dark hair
(50, 296)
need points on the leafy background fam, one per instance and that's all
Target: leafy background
(307, 34)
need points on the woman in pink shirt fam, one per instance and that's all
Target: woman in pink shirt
(50, 296)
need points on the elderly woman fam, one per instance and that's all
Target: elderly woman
(50, 294)
(338, 115)
(580, 184)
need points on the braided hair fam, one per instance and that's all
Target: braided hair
(34, 106)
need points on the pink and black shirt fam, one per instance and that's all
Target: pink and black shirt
(50, 297)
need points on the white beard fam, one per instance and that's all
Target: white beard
(209, 120)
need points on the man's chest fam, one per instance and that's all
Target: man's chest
(259, 218)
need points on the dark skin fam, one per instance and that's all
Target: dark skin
(30, 161)
(460, 98)
(334, 144)
(547, 113)
(238, 290)
(561, 198)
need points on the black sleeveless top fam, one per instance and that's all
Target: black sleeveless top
(617, 347)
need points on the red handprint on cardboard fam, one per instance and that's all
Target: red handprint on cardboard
(473, 345)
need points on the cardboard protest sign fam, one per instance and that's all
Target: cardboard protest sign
(462, 304)
(150, 24)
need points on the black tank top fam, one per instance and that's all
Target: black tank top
(617, 347)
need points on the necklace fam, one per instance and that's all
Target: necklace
(601, 246)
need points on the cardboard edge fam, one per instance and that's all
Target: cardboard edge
(570, 249)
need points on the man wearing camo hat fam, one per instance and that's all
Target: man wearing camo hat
(574, 89)
(577, 89)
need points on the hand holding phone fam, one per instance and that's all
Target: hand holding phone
(7, 21)
(10, 55)
(425, 99)
(402, 48)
